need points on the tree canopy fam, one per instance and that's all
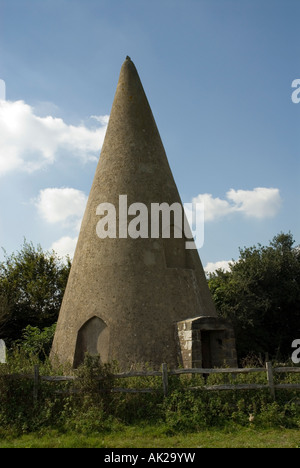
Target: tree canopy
(32, 284)
(260, 295)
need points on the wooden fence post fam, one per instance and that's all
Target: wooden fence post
(36, 377)
(165, 379)
(270, 377)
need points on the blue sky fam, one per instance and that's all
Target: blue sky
(218, 75)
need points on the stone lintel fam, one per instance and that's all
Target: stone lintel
(204, 323)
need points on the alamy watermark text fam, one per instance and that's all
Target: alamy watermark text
(161, 220)
(296, 353)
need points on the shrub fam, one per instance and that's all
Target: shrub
(87, 404)
(37, 342)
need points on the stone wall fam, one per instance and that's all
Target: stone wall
(206, 342)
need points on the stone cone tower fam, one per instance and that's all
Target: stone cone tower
(137, 300)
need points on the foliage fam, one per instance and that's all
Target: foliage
(76, 405)
(260, 295)
(88, 409)
(87, 405)
(37, 342)
(5, 310)
(32, 285)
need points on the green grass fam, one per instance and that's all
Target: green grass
(158, 437)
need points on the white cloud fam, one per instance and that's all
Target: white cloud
(62, 205)
(211, 267)
(29, 142)
(259, 203)
(213, 207)
(2, 90)
(65, 246)
(103, 119)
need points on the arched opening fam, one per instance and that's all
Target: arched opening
(92, 338)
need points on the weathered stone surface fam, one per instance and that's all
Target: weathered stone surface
(210, 340)
(2, 352)
(137, 288)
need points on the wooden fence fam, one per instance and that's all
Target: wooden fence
(164, 374)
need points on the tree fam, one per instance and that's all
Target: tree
(32, 284)
(37, 342)
(260, 294)
(4, 311)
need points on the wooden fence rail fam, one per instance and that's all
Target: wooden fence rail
(165, 373)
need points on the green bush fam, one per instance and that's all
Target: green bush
(87, 404)
(36, 342)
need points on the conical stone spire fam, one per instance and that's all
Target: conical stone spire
(125, 295)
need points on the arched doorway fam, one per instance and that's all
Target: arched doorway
(92, 338)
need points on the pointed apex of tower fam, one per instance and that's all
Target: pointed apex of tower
(128, 65)
(131, 124)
